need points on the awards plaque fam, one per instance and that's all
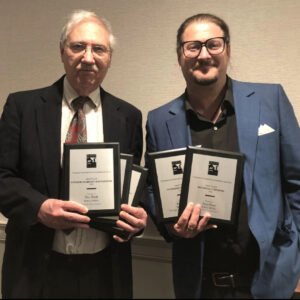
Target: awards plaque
(108, 224)
(213, 178)
(137, 184)
(92, 177)
(166, 171)
(126, 161)
(134, 178)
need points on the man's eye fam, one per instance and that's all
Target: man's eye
(214, 45)
(99, 49)
(193, 47)
(77, 47)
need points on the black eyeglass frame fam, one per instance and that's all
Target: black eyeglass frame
(204, 44)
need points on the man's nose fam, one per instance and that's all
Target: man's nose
(88, 56)
(204, 53)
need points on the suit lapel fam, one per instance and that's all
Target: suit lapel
(179, 131)
(48, 114)
(112, 119)
(247, 106)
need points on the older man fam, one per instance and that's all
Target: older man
(259, 256)
(42, 258)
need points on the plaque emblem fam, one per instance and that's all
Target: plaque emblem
(91, 161)
(177, 167)
(213, 167)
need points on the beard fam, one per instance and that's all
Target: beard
(202, 67)
(205, 81)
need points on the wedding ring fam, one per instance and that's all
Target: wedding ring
(190, 228)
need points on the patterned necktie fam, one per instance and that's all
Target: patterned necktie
(77, 130)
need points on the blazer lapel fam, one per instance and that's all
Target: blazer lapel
(179, 131)
(112, 119)
(247, 106)
(49, 126)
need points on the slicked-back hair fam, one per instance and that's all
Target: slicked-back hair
(201, 18)
(79, 16)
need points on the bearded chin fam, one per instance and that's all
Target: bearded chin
(205, 81)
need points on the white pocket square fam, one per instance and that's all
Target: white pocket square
(264, 129)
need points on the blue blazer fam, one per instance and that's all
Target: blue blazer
(272, 186)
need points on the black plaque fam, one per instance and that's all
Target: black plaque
(137, 183)
(166, 171)
(134, 179)
(91, 177)
(126, 161)
(108, 224)
(213, 178)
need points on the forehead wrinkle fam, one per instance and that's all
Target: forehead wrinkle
(89, 32)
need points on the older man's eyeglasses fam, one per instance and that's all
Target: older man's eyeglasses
(214, 46)
(80, 48)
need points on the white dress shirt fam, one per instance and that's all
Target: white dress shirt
(81, 241)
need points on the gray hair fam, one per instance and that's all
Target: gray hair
(81, 15)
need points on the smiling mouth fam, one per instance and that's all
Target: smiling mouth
(87, 72)
(203, 69)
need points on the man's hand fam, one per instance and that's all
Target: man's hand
(59, 214)
(297, 290)
(189, 225)
(136, 219)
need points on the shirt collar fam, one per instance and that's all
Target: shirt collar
(70, 94)
(228, 98)
(229, 92)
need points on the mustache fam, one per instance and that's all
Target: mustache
(206, 63)
(88, 67)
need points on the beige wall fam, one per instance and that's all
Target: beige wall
(265, 44)
(265, 48)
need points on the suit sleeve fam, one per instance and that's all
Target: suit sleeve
(150, 147)
(149, 198)
(18, 200)
(137, 140)
(290, 155)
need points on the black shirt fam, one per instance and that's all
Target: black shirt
(230, 248)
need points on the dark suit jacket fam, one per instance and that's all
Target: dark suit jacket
(272, 186)
(30, 173)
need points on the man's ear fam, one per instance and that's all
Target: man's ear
(228, 50)
(110, 58)
(61, 50)
(178, 56)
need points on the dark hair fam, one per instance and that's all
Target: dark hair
(199, 18)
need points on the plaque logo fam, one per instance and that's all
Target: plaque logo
(213, 167)
(91, 161)
(177, 168)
